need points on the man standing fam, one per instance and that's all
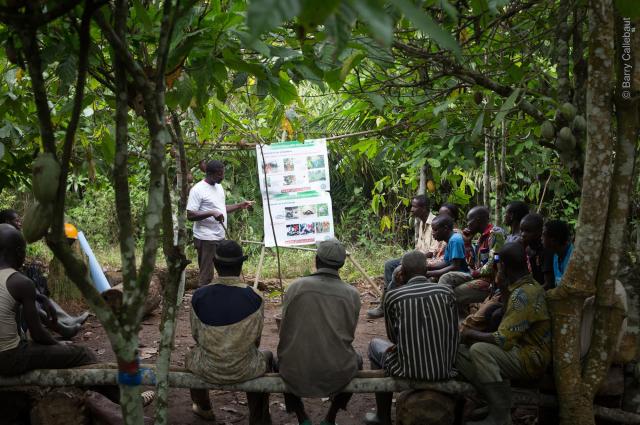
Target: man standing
(43, 351)
(519, 349)
(316, 357)
(421, 321)
(208, 210)
(425, 243)
(226, 323)
(473, 287)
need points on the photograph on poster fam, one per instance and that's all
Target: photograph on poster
(289, 180)
(322, 210)
(291, 213)
(322, 227)
(315, 161)
(300, 229)
(289, 164)
(317, 176)
(271, 167)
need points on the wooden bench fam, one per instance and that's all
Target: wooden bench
(370, 381)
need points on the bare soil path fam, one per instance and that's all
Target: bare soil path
(230, 408)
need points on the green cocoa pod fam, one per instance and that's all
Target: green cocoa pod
(547, 130)
(579, 124)
(46, 176)
(568, 111)
(36, 221)
(565, 133)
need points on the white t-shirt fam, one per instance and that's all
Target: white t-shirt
(205, 197)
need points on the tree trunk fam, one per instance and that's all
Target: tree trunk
(174, 247)
(566, 302)
(486, 176)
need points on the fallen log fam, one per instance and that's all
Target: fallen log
(364, 382)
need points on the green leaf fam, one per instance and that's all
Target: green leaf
(477, 128)
(434, 162)
(372, 13)
(427, 25)
(377, 100)
(385, 223)
(1, 150)
(351, 62)
(263, 15)
(506, 107)
(142, 15)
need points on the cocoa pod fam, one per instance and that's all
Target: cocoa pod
(579, 124)
(568, 111)
(46, 178)
(547, 130)
(36, 221)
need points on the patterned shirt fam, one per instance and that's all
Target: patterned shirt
(421, 320)
(227, 335)
(526, 326)
(480, 257)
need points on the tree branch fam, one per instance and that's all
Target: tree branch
(456, 70)
(121, 165)
(34, 64)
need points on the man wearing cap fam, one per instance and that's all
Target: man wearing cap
(226, 323)
(208, 210)
(316, 357)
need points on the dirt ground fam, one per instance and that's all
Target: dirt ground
(230, 408)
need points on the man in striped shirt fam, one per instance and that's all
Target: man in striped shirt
(421, 321)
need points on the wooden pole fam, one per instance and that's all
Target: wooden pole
(366, 277)
(259, 270)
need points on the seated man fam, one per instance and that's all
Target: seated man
(425, 242)
(316, 357)
(475, 286)
(513, 214)
(51, 314)
(540, 258)
(453, 259)
(16, 290)
(556, 236)
(418, 348)
(520, 348)
(226, 323)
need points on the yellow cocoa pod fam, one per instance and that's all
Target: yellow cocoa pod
(431, 186)
(46, 176)
(36, 221)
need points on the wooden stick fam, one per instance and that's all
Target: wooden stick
(255, 284)
(366, 276)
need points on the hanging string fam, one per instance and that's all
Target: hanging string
(273, 228)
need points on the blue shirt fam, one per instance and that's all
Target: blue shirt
(223, 305)
(559, 267)
(455, 251)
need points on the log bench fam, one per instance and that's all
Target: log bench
(369, 381)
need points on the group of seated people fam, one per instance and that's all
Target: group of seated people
(452, 308)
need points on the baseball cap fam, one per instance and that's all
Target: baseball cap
(331, 252)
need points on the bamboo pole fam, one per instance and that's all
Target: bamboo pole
(259, 270)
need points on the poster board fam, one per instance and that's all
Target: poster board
(297, 178)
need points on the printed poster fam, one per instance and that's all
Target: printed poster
(297, 178)
(299, 218)
(294, 166)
